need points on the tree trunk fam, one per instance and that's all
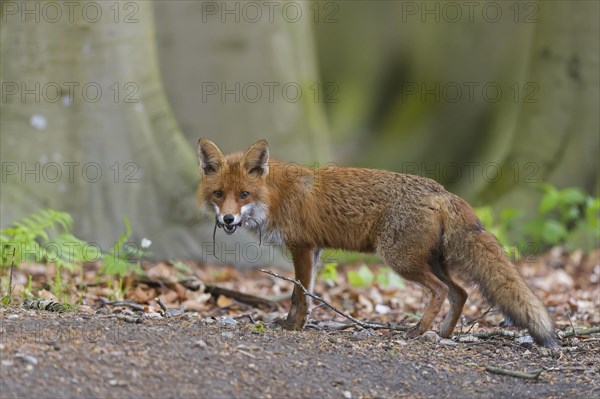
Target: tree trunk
(555, 137)
(237, 72)
(86, 128)
(406, 101)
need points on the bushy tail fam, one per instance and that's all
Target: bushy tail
(476, 256)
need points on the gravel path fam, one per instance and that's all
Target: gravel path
(48, 355)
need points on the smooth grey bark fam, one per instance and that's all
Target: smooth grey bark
(405, 115)
(104, 146)
(237, 72)
(149, 172)
(558, 134)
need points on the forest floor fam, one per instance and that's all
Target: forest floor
(198, 341)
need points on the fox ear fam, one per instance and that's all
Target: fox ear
(256, 159)
(209, 156)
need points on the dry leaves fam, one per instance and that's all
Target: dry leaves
(566, 282)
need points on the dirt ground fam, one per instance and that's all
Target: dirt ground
(97, 355)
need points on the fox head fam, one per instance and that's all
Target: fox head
(235, 185)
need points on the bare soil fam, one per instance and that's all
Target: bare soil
(96, 355)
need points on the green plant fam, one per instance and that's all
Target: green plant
(183, 270)
(258, 327)
(362, 277)
(345, 257)
(387, 278)
(122, 256)
(329, 273)
(44, 235)
(560, 213)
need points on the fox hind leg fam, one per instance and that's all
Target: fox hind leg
(438, 292)
(411, 256)
(457, 297)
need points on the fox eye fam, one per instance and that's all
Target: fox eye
(218, 193)
(244, 194)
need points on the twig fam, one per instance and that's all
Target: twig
(332, 325)
(132, 305)
(161, 304)
(493, 333)
(578, 331)
(512, 373)
(360, 323)
(569, 332)
(569, 368)
(472, 322)
(570, 321)
(214, 233)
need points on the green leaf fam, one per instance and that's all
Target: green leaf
(258, 327)
(362, 277)
(387, 278)
(329, 273)
(592, 215)
(382, 277)
(116, 248)
(115, 266)
(535, 228)
(553, 232)
(510, 214)
(571, 213)
(182, 267)
(549, 201)
(572, 196)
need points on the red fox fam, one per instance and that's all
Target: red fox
(425, 233)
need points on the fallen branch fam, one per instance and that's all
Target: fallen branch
(360, 323)
(569, 368)
(331, 325)
(569, 332)
(240, 297)
(194, 284)
(512, 373)
(135, 306)
(162, 305)
(578, 331)
(496, 332)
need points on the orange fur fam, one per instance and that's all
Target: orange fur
(422, 231)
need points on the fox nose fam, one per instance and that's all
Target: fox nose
(228, 219)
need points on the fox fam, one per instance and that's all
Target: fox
(422, 231)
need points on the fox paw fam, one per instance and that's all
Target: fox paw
(413, 332)
(286, 324)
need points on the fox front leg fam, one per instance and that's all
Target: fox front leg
(304, 259)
